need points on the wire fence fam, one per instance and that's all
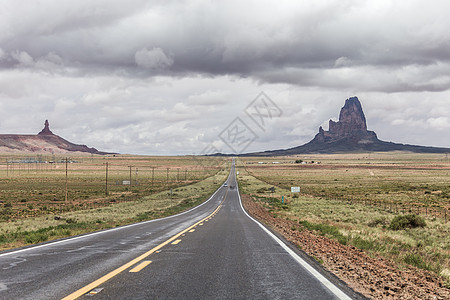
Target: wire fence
(31, 186)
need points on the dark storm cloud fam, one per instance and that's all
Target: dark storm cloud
(302, 44)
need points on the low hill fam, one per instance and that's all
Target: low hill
(44, 142)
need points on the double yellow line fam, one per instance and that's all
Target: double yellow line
(117, 271)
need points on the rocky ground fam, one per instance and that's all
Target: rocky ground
(376, 278)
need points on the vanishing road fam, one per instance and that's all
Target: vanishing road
(214, 251)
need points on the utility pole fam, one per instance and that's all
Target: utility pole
(106, 179)
(130, 175)
(66, 177)
(135, 177)
(167, 176)
(178, 174)
(185, 174)
(153, 175)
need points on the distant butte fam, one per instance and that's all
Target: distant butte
(46, 129)
(349, 134)
(44, 142)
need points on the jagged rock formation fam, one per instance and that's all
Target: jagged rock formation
(46, 129)
(349, 134)
(351, 124)
(44, 142)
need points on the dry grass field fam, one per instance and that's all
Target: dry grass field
(355, 198)
(33, 192)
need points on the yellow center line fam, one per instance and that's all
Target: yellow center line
(140, 266)
(119, 270)
(176, 242)
(192, 230)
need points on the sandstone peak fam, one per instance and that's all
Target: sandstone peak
(351, 125)
(351, 118)
(46, 130)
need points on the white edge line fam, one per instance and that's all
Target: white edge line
(109, 230)
(334, 289)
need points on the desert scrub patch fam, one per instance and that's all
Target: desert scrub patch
(35, 237)
(378, 221)
(416, 260)
(407, 221)
(325, 230)
(364, 244)
(318, 259)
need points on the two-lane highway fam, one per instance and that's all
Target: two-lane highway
(215, 251)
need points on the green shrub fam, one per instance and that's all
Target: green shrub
(325, 229)
(3, 238)
(36, 237)
(376, 222)
(364, 244)
(416, 260)
(407, 221)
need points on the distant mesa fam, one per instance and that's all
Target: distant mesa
(44, 142)
(349, 134)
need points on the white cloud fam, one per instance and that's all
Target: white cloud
(440, 123)
(153, 59)
(22, 58)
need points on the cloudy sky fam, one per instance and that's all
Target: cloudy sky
(170, 77)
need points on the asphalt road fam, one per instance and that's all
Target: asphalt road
(215, 251)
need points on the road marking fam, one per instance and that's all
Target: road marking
(201, 224)
(176, 242)
(192, 230)
(140, 266)
(322, 279)
(103, 279)
(95, 291)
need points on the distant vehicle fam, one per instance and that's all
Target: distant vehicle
(225, 184)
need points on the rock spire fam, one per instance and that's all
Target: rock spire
(46, 130)
(352, 123)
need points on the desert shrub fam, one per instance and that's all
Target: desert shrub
(416, 260)
(376, 222)
(36, 237)
(262, 190)
(325, 229)
(407, 221)
(364, 244)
